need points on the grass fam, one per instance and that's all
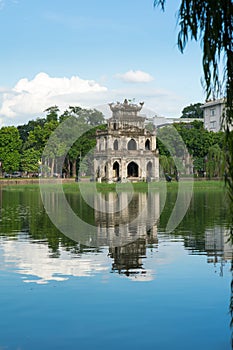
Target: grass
(72, 187)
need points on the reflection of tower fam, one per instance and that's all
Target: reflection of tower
(128, 259)
(122, 218)
(127, 225)
(126, 149)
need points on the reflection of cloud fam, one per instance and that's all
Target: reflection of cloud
(33, 261)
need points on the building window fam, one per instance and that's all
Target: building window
(115, 145)
(212, 112)
(132, 145)
(147, 145)
(213, 125)
(116, 169)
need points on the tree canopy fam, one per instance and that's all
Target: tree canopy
(182, 140)
(192, 111)
(21, 147)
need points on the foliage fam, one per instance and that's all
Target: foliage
(169, 142)
(36, 136)
(25, 129)
(182, 139)
(150, 127)
(22, 148)
(10, 145)
(192, 111)
(52, 114)
(215, 162)
(30, 160)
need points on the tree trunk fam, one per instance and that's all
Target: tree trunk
(74, 168)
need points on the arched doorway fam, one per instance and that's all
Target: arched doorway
(147, 145)
(149, 169)
(132, 145)
(116, 169)
(132, 169)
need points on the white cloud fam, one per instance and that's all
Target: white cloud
(31, 97)
(135, 76)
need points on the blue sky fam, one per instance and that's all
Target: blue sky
(91, 53)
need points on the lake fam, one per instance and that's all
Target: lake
(116, 277)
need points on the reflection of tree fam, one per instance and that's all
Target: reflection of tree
(207, 210)
(22, 212)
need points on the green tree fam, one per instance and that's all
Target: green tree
(197, 139)
(86, 142)
(10, 145)
(30, 160)
(215, 162)
(52, 113)
(39, 136)
(25, 129)
(192, 111)
(169, 142)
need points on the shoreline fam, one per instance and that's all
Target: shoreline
(30, 181)
(71, 185)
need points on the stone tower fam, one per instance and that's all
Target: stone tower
(126, 150)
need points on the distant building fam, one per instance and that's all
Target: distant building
(126, 150)
(213, 111)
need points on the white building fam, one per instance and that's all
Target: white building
(213, 111)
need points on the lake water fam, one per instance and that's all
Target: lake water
(128, 285)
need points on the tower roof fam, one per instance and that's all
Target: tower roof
(126, 108)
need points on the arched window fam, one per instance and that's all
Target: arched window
(132, 145)
(115, 145)
(116, 169)
(147, 145)
(132, 169)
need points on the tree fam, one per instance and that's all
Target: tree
(192, 111)
(52, 113)
(25, 129)
(10, 145)
(30, 160)
(85, 143)
(215, 161)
